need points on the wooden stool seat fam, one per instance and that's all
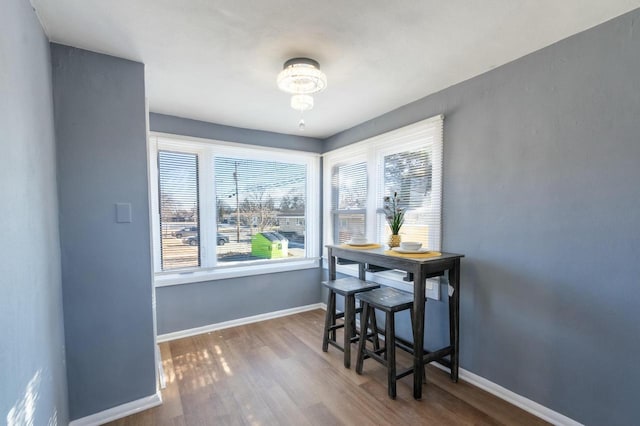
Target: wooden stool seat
(347, 287)
(350, 285)
(389, 300)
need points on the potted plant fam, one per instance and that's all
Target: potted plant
(395, 217)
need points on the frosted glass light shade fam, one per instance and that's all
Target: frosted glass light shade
(301, 76)
(301, 102)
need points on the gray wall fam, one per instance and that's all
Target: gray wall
(106, 266)
(186, 306)
(32, 373)
(542, 194)
(202, 129)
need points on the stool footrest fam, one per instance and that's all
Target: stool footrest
(336, 327)
(377, 357)
(370, 336)
(437, 355)
(404, 373)
(380, 351)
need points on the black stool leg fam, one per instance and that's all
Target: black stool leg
(334, 315)
(374, 327)
(349, 327)
(329, 321)
(364, 331)
(390, 345)
(352, 304)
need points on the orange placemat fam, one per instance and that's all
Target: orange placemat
(365, 247)
(424, 255)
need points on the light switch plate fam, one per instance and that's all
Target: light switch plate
(123, 212)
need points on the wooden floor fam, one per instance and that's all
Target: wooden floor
(275, 373)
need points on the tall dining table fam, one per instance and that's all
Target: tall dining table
(420, 268)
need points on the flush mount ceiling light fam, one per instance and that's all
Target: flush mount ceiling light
(301, 77)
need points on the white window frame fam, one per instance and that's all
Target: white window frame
(371, 151)
(205, 149)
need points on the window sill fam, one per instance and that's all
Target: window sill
(238, 271)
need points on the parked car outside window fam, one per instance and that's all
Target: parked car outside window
(194, 240)
(186, 232)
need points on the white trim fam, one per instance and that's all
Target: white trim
(513, 398)
(200, 275)
(505, 394)
(120, 411)
(152, 146)
(237, 322)
(160, 383)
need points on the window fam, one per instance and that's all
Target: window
(409, 172)
(179, 206)
(407, 161)
(223, 210)
(349, 200)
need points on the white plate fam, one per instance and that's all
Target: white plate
(401, 250)
(351, 243)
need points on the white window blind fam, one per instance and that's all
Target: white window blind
(409, 173)
(179, 210)
(349, 200)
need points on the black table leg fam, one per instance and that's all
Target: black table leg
(332, 264)
(454, 319)
(418, 331)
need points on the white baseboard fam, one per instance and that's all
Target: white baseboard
(234, 323)
(120, 411)
(513, 398)
(142, 404)
(505, 394)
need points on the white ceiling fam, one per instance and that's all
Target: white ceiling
(217, 60)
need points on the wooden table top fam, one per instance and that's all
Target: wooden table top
(380, 253)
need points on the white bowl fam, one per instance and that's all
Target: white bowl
(410, 245)
(358, 240)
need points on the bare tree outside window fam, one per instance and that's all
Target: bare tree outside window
(258, 210)
(261, 196)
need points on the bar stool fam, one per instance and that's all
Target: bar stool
(388, 300)
(347, 287)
